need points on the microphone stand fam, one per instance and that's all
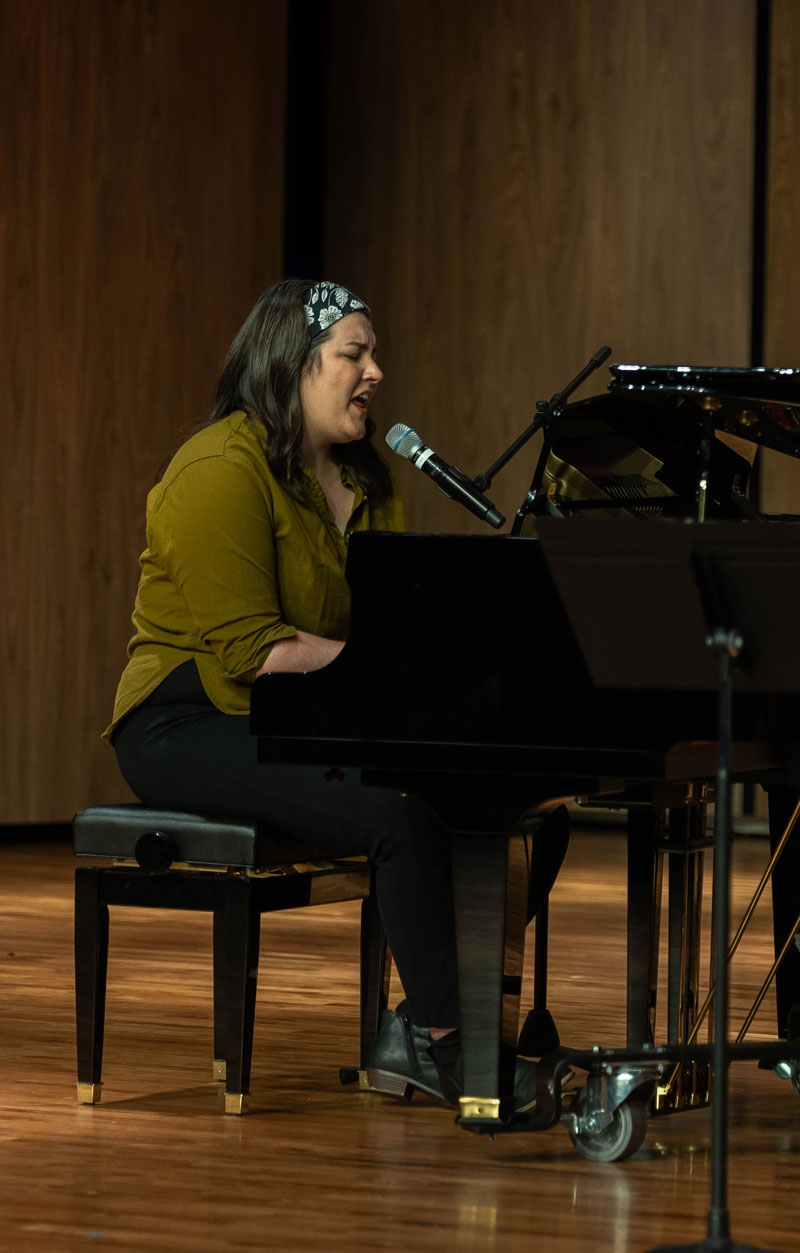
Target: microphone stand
(726, 643)
(546, 411)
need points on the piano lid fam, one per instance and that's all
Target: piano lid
(760, 403)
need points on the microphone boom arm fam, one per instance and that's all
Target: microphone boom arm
(545, 412)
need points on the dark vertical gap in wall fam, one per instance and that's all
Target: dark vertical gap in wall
(760, 193)
(306, 128)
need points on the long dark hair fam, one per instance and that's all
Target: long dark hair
(262, 375)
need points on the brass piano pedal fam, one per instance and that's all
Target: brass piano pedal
(89, 1093)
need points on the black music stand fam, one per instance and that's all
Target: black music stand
(677, 605)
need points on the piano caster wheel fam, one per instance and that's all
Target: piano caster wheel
(617, 1139)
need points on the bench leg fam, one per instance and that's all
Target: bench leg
(242, 936)
(220, 1025)
(91, 963)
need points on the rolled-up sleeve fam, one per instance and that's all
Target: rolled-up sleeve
(213, 536)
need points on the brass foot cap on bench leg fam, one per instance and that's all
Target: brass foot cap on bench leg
(220, 1068)
(236, 1102)
(89, 1093)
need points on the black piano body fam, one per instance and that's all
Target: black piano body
(462, 682)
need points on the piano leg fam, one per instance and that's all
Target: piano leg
(376, 970)
(785, 902)
(687, 846)
(645, 866)
(490, 884)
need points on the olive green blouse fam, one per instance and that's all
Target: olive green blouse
(233, 564)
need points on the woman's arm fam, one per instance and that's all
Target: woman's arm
(300, 652)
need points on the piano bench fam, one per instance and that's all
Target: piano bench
(237, 870)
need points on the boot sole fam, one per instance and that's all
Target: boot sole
(398, 1085)
(390, 1084)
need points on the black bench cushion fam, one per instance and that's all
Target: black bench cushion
(205, 839)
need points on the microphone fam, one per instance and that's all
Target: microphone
(406, 443)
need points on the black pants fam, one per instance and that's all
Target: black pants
(176, 750)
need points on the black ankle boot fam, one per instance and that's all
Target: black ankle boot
(401, 1060)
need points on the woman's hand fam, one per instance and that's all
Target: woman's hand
(300, 652)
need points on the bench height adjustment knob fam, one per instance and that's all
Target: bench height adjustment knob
(154, 851)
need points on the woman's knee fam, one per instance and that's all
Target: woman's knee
(406, 829)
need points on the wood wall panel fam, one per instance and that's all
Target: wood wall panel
(141, 200)
(512, 184)
(780, 475)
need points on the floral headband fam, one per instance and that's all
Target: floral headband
(326, 303)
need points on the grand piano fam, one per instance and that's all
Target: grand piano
(463, 682)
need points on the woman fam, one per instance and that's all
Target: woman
(243, 574)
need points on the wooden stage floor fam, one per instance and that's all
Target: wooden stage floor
(157, 1166)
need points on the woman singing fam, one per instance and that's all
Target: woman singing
(243, 574)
